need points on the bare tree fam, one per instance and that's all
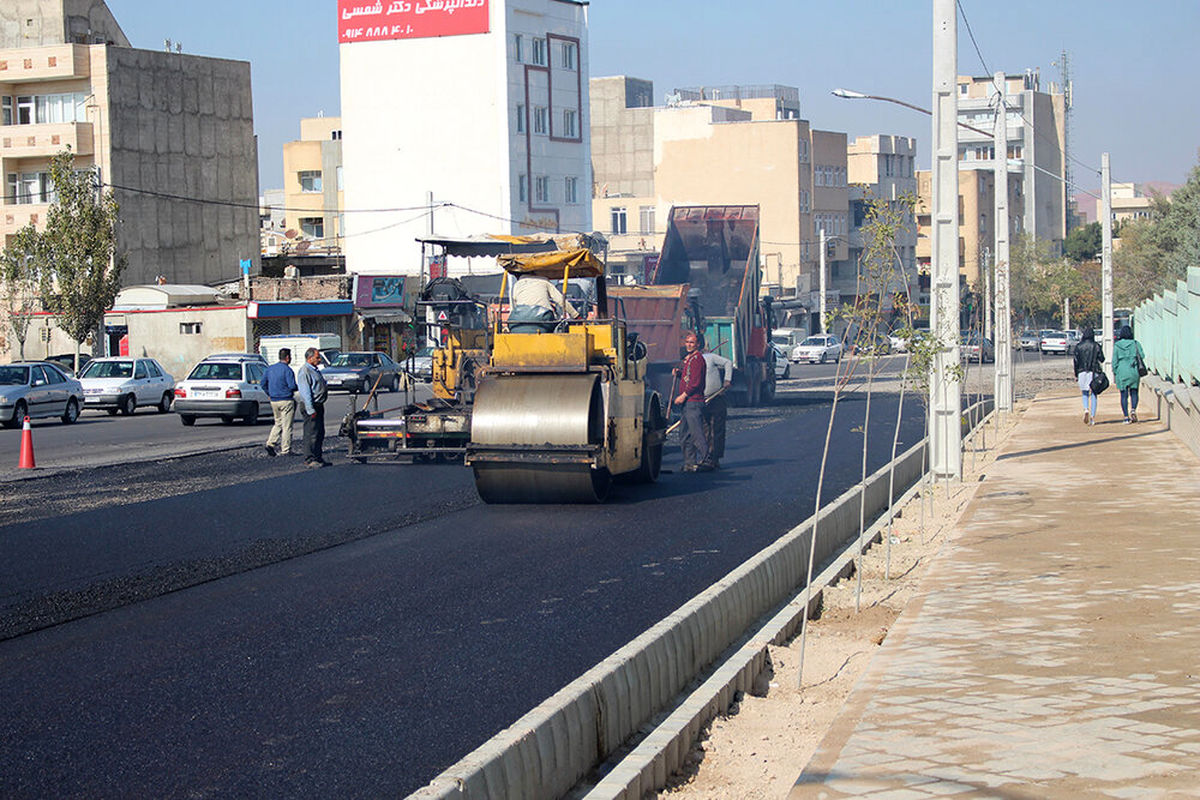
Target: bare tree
(20, 274)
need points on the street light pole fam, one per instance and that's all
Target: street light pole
(821, 282)
(945, 408)
(1106, 269)
(1003, 389)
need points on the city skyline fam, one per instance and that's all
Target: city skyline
(851, 46)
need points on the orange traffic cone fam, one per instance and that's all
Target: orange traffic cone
(26, 460)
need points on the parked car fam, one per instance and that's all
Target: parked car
(122, 384)
(783, 366)
(225, 386)
(1073, 338)
(866, 343)
(66, 362)
(1055, 342)
(359, 371)
(420, 365)
(787, 338)
(1029, 340)
(38, 389)
(237, 357)
(976, 348)
(819, 348)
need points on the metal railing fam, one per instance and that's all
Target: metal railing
(1168, 327)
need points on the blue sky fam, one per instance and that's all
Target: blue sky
(1131, 64)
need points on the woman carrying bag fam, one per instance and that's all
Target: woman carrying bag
(1088, 357)
(1128, 368)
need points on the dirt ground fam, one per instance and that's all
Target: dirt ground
(761, 746)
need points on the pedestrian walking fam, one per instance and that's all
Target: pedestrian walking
(691, 406)
(1128, 364)
(313, 392)
(718, 372)
(1088, 358)
(279, 382)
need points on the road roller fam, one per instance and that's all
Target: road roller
(562, 413)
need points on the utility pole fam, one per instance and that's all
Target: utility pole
(1106, 276)
(987, 293)
(1004, 388)
(821, 245)
(945, 408)
(1066, 313)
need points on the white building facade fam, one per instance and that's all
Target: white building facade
(467, 119)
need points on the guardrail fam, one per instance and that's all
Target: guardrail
(1168, 327)
(550, 750)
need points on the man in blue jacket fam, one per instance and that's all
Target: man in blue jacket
(313, 391)
(279, 382)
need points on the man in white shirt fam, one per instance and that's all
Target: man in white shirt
(537, 305)
(716, 406)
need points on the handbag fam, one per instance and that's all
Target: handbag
(1140, 363)
(1099, 382)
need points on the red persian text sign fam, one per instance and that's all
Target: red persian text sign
(359, 21)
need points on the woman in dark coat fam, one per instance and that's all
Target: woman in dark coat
(1088, 357)
(1126, 351)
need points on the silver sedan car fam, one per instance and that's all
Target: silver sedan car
(37, 389)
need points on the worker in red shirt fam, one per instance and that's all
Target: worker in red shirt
(692, 373)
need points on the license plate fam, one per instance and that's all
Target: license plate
(92, 391)
(206, 395)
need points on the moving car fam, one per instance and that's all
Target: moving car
(224, 386)
(783, 367)
(818, 349)
(359, 371)
(420, 365)
(37, 389)
(976, 348)
(1029, 340)
(1055, 342)
(122, 384)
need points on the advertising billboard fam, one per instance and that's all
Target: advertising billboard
(379, 291)
(359, 21)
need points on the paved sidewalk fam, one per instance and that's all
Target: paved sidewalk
(1054, 651)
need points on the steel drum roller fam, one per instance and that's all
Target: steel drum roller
(532, 412)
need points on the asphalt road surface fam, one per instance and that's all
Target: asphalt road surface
(234, 625)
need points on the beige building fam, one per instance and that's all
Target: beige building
(1129, 202)
(151, 123)
(882, 168)
(313, 190)
(717, 146)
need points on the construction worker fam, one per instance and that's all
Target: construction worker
(537, 305)
(691, 404)
(718, 378)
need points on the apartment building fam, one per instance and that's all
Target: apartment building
(313, 184)
(732, 145)
(882, 168)
(465, 120)
(1035, 134)
(150, 123)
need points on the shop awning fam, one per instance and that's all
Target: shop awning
(300, 308)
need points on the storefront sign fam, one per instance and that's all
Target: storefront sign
(359, 21)
(378, 291)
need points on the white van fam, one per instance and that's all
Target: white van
(330, 344)
(788, 338)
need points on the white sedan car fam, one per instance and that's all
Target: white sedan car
(123, 383)
(818, 349)
(226, 387)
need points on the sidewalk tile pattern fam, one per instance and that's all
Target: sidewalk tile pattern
(1055, 649)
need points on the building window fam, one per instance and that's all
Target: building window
(541, 189)
(569, 55)
(520, 117)
(620, 222)
(313, 227)
(25, 110)
(539, 52)
(190, 328)
(341, 181)
(310, 180)
(519, 47)
(336, 136)
(571, 186)
(29, 188)
(540, 115)
(7, 105)
(45, 109)
(646, 220)
(570, 117)
(523, 188)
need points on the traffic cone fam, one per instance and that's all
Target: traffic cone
(26, 460)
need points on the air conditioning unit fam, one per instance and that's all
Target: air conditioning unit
(291, 271)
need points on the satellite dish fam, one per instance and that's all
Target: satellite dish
(302, 246)
(291, 233)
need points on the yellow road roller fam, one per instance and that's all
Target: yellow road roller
(563, 412)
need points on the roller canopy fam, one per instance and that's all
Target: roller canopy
(579, 263)
(495, 245)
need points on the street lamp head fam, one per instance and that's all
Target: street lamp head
(849, 94)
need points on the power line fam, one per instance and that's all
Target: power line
(260, 207)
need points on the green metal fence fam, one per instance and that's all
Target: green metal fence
(1168, 327)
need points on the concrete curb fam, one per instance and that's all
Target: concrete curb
(546, 753)
(1179, 409)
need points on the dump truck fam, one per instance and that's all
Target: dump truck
(707, 279)
(560, 415)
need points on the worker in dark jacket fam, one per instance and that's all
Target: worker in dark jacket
(279, 382)
(1088, 358)
(692, 373)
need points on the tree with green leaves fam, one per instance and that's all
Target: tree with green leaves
(82, 271)
(20, 274)
(1083, 243)
(1156, 252)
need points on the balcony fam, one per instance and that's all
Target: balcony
(56, 63)
(32, 141)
